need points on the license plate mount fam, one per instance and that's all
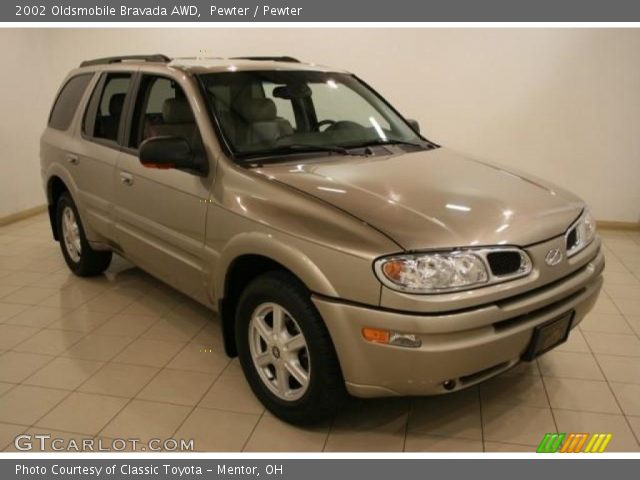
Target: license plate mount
(548, 336)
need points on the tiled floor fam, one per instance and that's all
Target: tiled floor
(125, 356)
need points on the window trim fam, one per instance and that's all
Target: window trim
(77, 107)
(217, 126)
(130, 112)
(93, 105)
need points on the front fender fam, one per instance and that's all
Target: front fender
(270, 246)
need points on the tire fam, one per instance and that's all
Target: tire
(80, 257)
(325, 391)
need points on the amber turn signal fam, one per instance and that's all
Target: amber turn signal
(393, 269)
(375, 335)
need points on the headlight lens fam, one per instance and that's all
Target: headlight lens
(589, 227)
(432, 272)
(581, 233)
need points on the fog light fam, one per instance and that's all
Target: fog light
(449, 384)
(398, 339)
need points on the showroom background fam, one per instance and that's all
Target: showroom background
(562, 104)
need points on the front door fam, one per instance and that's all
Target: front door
(161, 214)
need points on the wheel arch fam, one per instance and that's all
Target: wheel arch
(55, 188)
(250, 256)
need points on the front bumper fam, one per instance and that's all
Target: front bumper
(450, 350)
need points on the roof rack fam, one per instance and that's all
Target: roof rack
(284, 58)
(157, 58)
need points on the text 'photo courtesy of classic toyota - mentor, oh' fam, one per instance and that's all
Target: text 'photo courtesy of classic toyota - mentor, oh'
(343, 252)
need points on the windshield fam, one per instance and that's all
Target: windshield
(275, 112)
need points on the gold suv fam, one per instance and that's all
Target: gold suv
(343, 252)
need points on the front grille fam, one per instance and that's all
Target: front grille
(504, 263)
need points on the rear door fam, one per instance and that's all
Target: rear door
(161, 214)
(95, 151)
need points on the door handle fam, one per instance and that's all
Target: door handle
(72, 159)
(126, 178)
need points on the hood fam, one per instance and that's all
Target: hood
(435, 198)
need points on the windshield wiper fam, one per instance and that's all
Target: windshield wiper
(382, 141)
(304, 147)
(299, 148)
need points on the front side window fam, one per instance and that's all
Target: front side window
(108, 103)
(162, 109)
(273, 112)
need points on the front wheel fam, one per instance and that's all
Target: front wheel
(286, 352)
(80, 257)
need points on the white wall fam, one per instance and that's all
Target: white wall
(563, 104)
(25, 94)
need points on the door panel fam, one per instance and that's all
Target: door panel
(93, 171)
(160, 221)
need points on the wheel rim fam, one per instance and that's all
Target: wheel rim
(279, 351)
(71, 234)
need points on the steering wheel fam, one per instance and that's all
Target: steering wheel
(328, 122)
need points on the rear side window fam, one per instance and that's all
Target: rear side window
(106, 106)
(67, 102)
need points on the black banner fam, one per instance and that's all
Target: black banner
(315, 11)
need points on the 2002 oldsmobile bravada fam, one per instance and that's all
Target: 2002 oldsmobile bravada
(343, 252)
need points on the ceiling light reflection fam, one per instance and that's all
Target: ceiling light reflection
(460, 208)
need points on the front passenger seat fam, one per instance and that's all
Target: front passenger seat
(177, 120)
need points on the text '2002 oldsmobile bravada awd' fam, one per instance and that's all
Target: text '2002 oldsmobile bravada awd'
(343, 252)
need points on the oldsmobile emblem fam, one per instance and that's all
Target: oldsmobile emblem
(553, 257)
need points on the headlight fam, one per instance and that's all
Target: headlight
(432, 272)
(581, 233)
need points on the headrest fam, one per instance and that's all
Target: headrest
(116, 103)
(177, 110)
(257, 109)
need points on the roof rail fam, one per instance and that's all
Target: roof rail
(158, 58)
(284, 58)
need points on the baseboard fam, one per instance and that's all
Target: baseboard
(613, 225)
(14, 217)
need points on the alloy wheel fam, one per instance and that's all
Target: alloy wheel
(71, 234)
(279, 351)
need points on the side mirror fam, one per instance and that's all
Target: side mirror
(414, 124)
(170, 152)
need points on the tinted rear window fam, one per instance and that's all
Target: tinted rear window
(67, 101)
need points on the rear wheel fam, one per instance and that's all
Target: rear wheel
(80, 257)
(286, 352)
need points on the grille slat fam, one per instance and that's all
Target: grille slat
(504, 263)
(572, 239)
